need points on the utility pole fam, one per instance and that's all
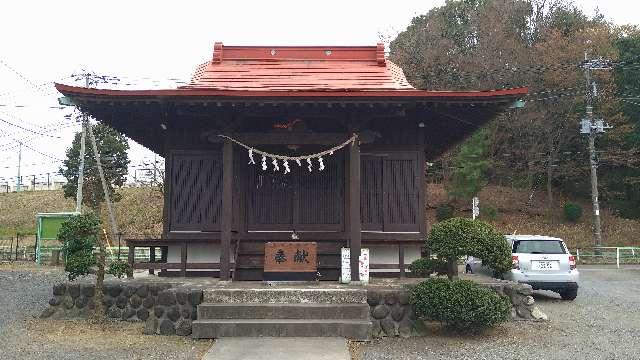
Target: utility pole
(82, 155)
(592, 127)
(19, 184)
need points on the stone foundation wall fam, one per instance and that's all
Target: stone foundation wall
(521, 296)
(390, 313)
(165, 308)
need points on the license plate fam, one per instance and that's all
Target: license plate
(544, 265)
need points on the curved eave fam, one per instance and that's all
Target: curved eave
(424, 95)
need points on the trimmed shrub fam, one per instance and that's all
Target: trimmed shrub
(572, 212)
(453, 238)
(444, 212)
(79, 236)
(461, 304)
(426, 266)
(120, 269)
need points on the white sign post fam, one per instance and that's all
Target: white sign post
(475, 205)
(363, 265)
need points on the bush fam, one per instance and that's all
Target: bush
(453, 238)
(426, 266)
(461, 304)
(120, 269)
(488, 212)
(444, 212)
(78, 236)
(572, 212)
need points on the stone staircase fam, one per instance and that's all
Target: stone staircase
(283, 312)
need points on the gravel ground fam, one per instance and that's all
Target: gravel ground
(24, 292)
(602, 323)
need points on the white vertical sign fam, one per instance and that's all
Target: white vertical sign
(475, 207)
(363, 265)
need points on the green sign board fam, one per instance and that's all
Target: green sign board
(48, 225)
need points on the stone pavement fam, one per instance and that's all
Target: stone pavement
(259, 348)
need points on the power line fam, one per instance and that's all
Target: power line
(29, 130)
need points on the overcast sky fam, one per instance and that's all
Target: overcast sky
(46, 41)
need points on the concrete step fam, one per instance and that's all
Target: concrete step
(354, 311)
(218, 328)
(281, 295)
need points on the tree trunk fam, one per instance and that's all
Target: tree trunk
(452, 268)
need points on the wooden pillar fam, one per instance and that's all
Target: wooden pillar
(401, 260)
(152, 258)
(183, 259)
(355, 225)
(131, 257)
(225, 228)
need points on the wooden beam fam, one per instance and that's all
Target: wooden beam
(355, 225)
(283, 138)
(227, 215)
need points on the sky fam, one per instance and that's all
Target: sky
(148, 44)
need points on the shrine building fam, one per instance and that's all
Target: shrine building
(300, 144)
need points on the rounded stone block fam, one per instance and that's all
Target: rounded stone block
(148, 302)
(73, 290)
(142, 314)
(113, 290)
(404, 297)
(390, 298)
(55, 301)
(183, 327)
(529, 300)
(388, 326)
(182, 296)
(167, 327)
(380, 312)
(186, 312)
(373, 297)
(129, 290)
(88, 290)
(173, 313)
(67, 302)
(107, 301)
(121, 302)
(404, 328)
(142, 291)
(59, 289)
(81, 302)
(158, 311)
(524, 312)
(135, 301)
(397, 312)
(128, 313)
(166, 298)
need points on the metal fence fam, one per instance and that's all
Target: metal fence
(608, 255)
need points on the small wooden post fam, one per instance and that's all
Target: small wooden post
(131, 256)
(225, 228)
(152, 258)
(354, 209)
(401, 260)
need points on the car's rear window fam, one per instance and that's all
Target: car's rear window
(538, 247)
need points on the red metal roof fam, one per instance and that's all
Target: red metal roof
(296, 68)
(298, 72)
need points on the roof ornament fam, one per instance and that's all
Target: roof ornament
(217, 53)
